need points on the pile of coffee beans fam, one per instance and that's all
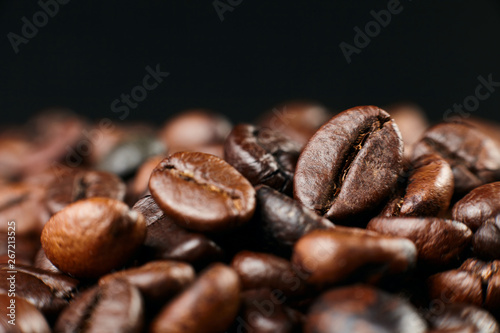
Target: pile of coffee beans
(307, 220)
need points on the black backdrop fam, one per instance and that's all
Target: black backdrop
(263, 52)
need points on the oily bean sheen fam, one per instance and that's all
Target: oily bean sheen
(91, 237)
(202, 192)
(438, 241)
(486, 240)
(473, 156)
(351, 164)
(331, 256)
(114, 307)
(262, 156)
(362, 309)
(209, 306)
(458, 318)
(481, 204)
(26, 317)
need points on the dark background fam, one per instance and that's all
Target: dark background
(262, 53)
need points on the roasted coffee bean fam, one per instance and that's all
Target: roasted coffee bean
(20, 316)
(438, 241)
(202, 192)
(481, 204)
(463, 318)
(47, 291)
(456, 286)
(209, 306)
(139, 186)
(331, 256)
(486, 240)
(487, 126)
(93, 236)
(362, 309)
(473, 156)
(262, 311)
(112, 307)
(262, 156)
(281, 221)
(25, 247)
(428, 189)
(42, 262)
(263, 270)
(298, 120)
(193, 129)
(83, 184)
(489, 274)
(124, 159)
(157, 281)
(166, 240)
(351, 164)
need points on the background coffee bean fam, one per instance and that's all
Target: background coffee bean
(463, 318)
(263, 156)
(209, 306)
(486, 240)
(112, 307)
(351, 164)
(457, 286)
(26, 317)
(42, 262)
(202, 192)
(139, 185)
(91, 237)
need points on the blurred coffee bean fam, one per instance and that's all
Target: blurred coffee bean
(139, 186)
(280, 221)
(83, 184)
(298, 120)
(24, 246)
(166, 240)
(411, 121)
(486, 240)
(473, 156)
(263, 156)
(20, 316)
(125, 158)
(209, 306)
(487, 126)
(438, 241)
(456, 286)
(42, 262)
(481, 204)
(463, 318)
(489, 274)
(157, 281)
(90, 237)
(362, 309)
(112, 307)
(202, 192)
(47, 291)
(12, 153)
(331, 256)
(351, 164)
(192, 129)
(263, 270)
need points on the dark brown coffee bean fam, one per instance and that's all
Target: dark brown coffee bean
(83, 184)
(489, 274)
(166, 240)
(157, 281)
(93, 236)
(209, 306)
(202, 192)
(438, 241)
(298, 120)
(458, 318)
(331, 256)
(362, 309)
(281, 221)
(263, 270)
(473, 156)
(480, 204)
(456, 286)
(486, 240)
(20, 316)
(139, 186)
(25, 247)
(262, 156)
(112, 307)
(351, 164)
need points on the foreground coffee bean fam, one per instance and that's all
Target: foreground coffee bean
(262, 156)
(351, 164)
(489, 274)
(202, 192)
(113, 307)
(438, 241)
(21, 316)
(331, 256)
(463, 318)
(209, 306)
(486, 240)
(362, 309)
(456, 286)
(91, 237)
(479, 205)
(473, 156)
